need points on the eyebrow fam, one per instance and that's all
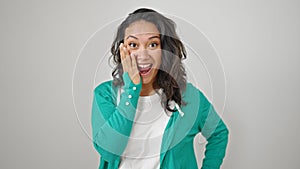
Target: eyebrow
(152, 37)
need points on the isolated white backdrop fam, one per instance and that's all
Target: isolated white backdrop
(257, 41)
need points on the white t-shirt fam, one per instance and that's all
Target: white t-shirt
(143, 148)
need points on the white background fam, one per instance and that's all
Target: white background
(257, 41)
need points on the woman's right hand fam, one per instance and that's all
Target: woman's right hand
(129, 64)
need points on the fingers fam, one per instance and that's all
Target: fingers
(133, 62)
(134, 69)
(122, 51)
(129, 64)
(125, 59)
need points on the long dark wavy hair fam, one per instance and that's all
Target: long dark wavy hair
(171, 77)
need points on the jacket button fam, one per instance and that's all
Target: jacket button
(133, 88)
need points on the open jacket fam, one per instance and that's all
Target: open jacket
(112, 121)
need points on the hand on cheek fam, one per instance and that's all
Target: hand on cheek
(129, 64)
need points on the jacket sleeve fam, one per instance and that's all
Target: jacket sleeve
(112, 122)
(215, 131)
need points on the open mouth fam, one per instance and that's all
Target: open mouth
(145, 69)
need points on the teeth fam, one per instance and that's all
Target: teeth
(145, 66)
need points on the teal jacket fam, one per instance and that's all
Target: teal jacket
(112, 122)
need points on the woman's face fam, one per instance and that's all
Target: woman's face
(142, 39)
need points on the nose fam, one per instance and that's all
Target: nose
(142, 54)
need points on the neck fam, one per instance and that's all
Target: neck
(147, 90)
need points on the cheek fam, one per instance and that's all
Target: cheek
(156, 55)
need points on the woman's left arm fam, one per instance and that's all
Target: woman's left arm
(216, 133)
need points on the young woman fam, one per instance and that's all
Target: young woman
(148, 115)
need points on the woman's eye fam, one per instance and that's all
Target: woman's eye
(132, 45)
(153, 45)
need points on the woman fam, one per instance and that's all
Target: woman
(148, 115)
